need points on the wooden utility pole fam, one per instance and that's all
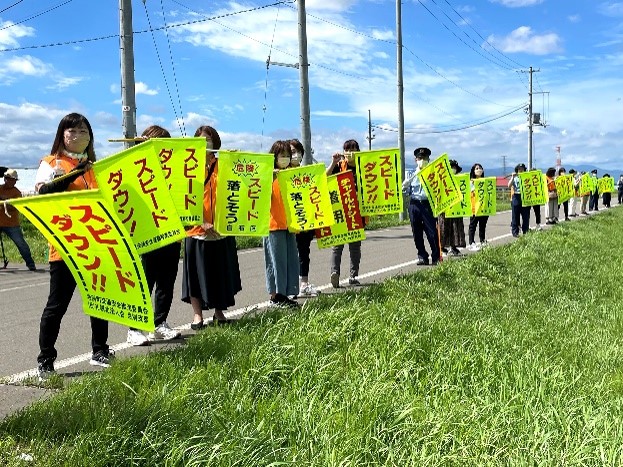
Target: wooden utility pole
(128, 97)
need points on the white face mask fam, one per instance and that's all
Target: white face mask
(478, 172)
(283, 161)
(421, 163)
(296, 159)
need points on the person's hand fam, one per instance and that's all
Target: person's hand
(336, 158)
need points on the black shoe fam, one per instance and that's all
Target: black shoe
(283, 301)
(221, 322)
(516, 235)
(435, 263)
(421, 262)
(353, 281)
(45, 370)
(32, 268)
(197, 326)
(102, 358)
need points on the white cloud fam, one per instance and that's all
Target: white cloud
(523, 39)
(25, 65)
(142, 88)
(611, 9)
(574, 18)
(64, 82)
(517, 3)
(10, 32)
(332, 5)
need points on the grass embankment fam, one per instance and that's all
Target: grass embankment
(512, 356)
(39, 245)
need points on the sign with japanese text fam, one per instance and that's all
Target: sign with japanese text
(348, 226)
(441, 188)
(243, 191)
(183, 165)
(485, 200)
(605, 185)
(586, 185)
(133, 183)
(564, 188)
(533, 188)
(379, 185)
(99, 253)
(464, 207)
(305, 197)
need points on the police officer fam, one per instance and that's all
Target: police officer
(420, 212)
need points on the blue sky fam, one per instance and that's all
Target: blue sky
(464, 63)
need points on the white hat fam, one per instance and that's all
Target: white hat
(11, 173)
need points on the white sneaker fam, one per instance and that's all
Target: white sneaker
(539, 227)
(136, 338)
(163, 332)
(473, 247)
(308, 291)
(484, 244)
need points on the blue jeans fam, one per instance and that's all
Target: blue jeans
(282, 263)
(16, 234)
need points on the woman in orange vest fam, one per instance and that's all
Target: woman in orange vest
(280, 251)
(211, 277)
(552, 197)
(72, 154)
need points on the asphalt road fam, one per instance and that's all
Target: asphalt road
(23, 295)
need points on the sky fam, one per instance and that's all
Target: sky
(465, 73)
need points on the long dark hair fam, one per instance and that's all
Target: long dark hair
(472, 172)
(72, 120)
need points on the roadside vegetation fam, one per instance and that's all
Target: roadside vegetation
(512, 356)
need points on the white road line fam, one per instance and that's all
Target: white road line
(10, 289)
(17, 377)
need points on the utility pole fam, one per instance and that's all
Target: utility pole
(504, 166)
(531, 118)
(401, 115)
(128, 97)
(558, 158)
(370, 136)
(304, 81)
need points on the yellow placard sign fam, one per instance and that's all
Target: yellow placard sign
(441, 188)
(485, 200)
(305, 197)
(243, 190)
(183, 165)
(348, 226)
(464, 207)
(605, 185)
(564, 188)
(97, 249)
(586, 185)
(378, 181)
(132, 182)
(533, 188)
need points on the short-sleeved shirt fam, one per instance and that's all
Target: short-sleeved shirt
(9, 193)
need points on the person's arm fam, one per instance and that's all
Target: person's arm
(334, 160)
(61, 184)
(510, 182)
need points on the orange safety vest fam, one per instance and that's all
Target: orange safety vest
(85, 182)
(209, 200)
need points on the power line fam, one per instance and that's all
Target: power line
(166, 83)
(32, 17)
(79, 41)
(11, 6)
(177, 89)
(465, 127)
(479, 35)
(500, 64)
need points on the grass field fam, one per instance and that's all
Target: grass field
(512, 356)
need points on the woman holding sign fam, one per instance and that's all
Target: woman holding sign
(476, 172)
(67, 168)
(211, 272)
(452, 231)
(280, 251)
(342, 163)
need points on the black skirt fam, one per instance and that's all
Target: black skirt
(211, 272)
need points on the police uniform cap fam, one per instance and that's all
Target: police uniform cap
(422, 153)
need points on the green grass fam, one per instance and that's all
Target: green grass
(509, 357)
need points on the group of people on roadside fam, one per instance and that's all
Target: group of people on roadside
(211, 273)
(520, 214)
(444, 235)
